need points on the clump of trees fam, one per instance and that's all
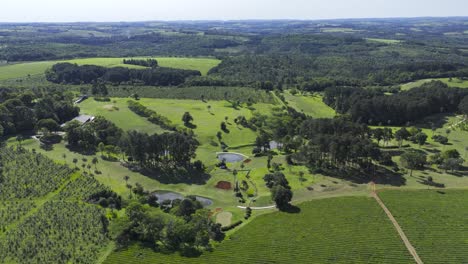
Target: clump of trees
(26, 111)
(186, 227)
(68, 73)
(281, 192)
(151, 63)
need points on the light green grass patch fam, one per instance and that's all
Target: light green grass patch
(224, 218)
(19, 70)
(455, 82)
(310, 105)
(386, 41)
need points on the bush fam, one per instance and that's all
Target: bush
(231, 226)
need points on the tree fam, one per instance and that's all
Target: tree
(75, 161)
(95, 161)
(452, 164)
(463, 106)
(223, 126)
(402, 134)
(126, 178)
(451, 154)
(281, 196)
(187, 118)
(420, 138)
(48, 123)
(378, 134)
(64, 156)
(101, 147)
(413, 160)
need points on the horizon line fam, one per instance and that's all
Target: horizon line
(231, 20)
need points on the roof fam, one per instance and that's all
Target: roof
(84, 118)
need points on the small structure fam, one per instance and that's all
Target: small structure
(83, 119)
(81, 99)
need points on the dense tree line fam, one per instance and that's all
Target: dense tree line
(68, 73)
(337, 143)
(26, 111)
(151, 63)
(163, 150)
(151, 115)
(374, 107)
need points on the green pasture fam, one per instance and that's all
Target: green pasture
(18, 70)
(455, 82)
(386, 41)
(310, 105)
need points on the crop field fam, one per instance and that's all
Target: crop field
(310, 105)
(12, 71)
(39, 224)
(454, 83)
(335, 230)
(434, 221)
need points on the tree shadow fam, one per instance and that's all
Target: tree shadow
(291, 209)
(176, 175)
(378, 174)
(190, 125)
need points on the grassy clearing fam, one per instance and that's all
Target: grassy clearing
(12, 71)
(338, 230)
(310, 105)
(386, 41)
(435, 222)
(454, 83)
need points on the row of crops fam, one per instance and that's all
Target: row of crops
(436, 222)
(44, 216)
(336, 230)
(25, 174)
(60, 232)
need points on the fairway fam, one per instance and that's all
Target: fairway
(310, 105)
(19, 70)
(433, 220)
(335, 230)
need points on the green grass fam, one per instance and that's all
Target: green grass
(386, 41)
(12, 71)
(435, 222)
(454, 83)
(336, 230)
(310, 105)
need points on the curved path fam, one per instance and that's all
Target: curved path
(258, 208)
(403, 237)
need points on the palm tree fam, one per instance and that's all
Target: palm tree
(126, 178)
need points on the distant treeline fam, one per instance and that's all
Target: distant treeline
(374, 107)
(68, 73)
(151, 63)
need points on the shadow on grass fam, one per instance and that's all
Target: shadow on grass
(291, 209)
(379, 175)
(176, 175)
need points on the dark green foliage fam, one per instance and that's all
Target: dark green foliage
(151, 63)
(68, 73)
(231, 226)
(151, 115)
(369, 106)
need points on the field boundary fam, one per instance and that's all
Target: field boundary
(400, 231)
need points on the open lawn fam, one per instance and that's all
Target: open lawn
(454, 83)
(12, 71)
(310, 105)
(434, 221)
(335, 230)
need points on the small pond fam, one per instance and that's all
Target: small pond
(231, 157)
(166, 195)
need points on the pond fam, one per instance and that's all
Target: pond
(167, 195)
(231, 157)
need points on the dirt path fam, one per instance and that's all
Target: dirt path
(403, 237)
(258, 208)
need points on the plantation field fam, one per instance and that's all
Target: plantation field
(39, 223)
(434, 222)
(12, 71)
(454, 83)
(310, 105)
(335, 230)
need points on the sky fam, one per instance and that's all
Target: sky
(145, 10)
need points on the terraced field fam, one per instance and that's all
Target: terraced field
(336, 230)
(434, 221)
